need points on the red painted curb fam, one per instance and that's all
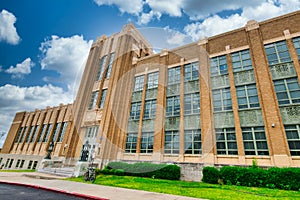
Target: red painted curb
(85, 196)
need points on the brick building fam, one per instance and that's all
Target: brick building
(223, 100)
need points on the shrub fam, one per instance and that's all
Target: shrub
(229, 174)
(210, 175)
(280, 178)
(161, 171)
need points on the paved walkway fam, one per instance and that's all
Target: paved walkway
(89, 191)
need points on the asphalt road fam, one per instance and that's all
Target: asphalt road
(15, 192)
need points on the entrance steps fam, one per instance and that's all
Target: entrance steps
(59, 171)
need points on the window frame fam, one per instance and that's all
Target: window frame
(192, 142)
(173, 143)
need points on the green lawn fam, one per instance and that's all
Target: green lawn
(193, 189)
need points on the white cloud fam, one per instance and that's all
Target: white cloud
(164, 38)
(172, 8)
(129, 6)
(175, 37)
(200, 9)
(270, 9)
(145, 18)
(8, 31)
(21, 68)
(67, 56)
(215, 24)
(16, 99)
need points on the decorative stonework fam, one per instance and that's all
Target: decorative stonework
(148, 125)
(219, 81)
(191, 86)
(151, 93)
(252, 25)
(133, 126)
(251, 117)
(173, 89)
(244, 77)
(283, 70)
(136, 96)
(192, 122)
(287, 34)
(203, 41)
(290, 114)
(224, 119)
(172, 123)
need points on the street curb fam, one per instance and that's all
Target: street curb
(85, 196)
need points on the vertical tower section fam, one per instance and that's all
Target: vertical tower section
(104, 94)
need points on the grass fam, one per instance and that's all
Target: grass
(17, 170)
(192, 189)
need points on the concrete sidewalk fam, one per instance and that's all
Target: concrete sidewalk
(88, 191)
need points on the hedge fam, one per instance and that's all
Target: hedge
(280, 178)
(210, 175)
(142, 169)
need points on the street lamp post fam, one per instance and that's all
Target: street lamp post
(49, 151)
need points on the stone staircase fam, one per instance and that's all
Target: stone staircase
(59, 171)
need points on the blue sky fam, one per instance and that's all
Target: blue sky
(44, 44)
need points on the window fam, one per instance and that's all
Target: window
(23, 134)
(93, 100)
(7, 162)
(29, 164)
(191, 71)
(131, 142)
(135, 111)
(287, 91)
(150, 109)
(10, 163)
(34, 164)
(172, 142)
(293, 137)
(174, 75)
(110, 63)
(222, 99)
(42, 133)
(241, 61)
(91, 132)
(47, 133)
(56, 132)
(101, 68)
(255, 142)
(191, 103)
(247, 96)
(296, 42)
(62, 133)
(31, 130)
(35, 133)
(152, 80)
(147, 142)
(226, 141)
(139, 83)
(103, 97)
(18, 163)
(192, 141)
(22, 163)
(218, 66)
(19, 134)
(173, 106)
(277, 53)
